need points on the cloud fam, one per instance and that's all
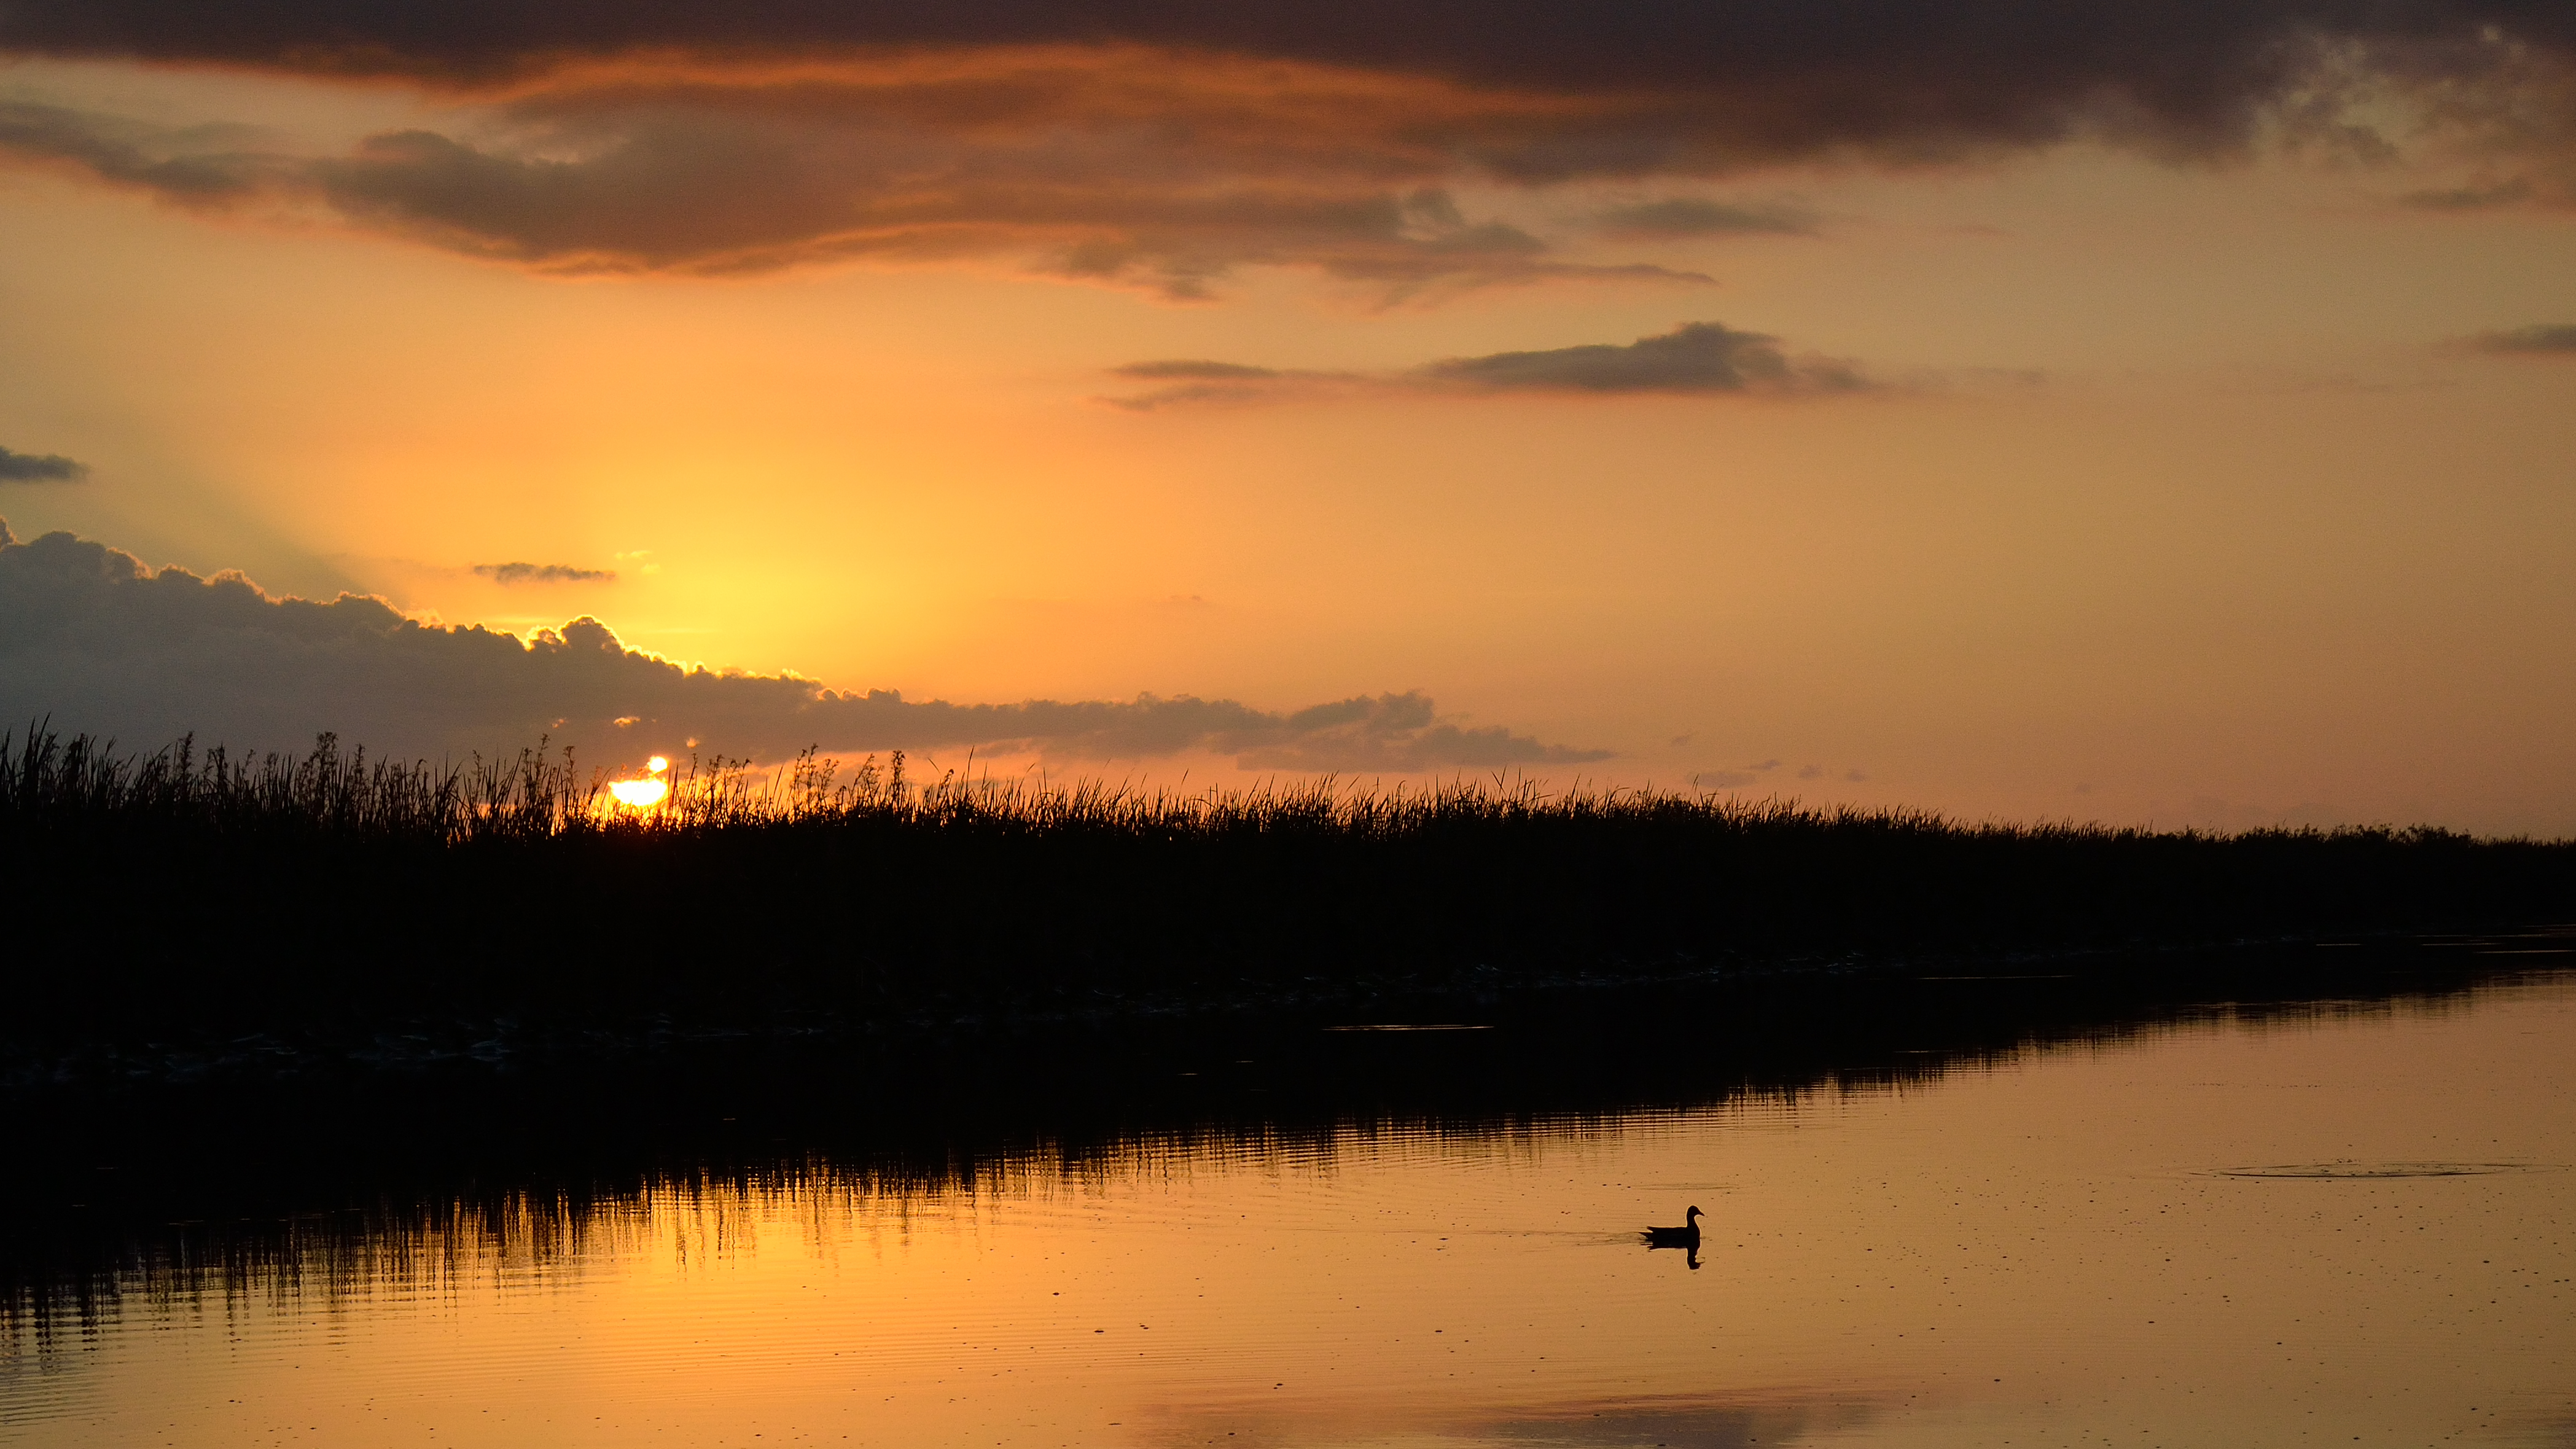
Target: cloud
(1192, 381)
(1834, 77)
(2541, 340)
(2471, 198)
(39, 468)
(1164, 145)
(1695, 357)
(528, 573)
(203, 166)
(1699, 357)
(1117, 168)
(1197, 371)
(1734, 779)
(95, 640)
(1685, 217)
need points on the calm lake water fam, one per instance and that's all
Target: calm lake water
(2337, 1222)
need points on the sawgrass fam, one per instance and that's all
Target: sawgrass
(195, 892)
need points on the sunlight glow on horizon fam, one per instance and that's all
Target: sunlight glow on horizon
(646, 791)
(2184, 501)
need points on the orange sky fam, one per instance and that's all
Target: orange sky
(2188, 488)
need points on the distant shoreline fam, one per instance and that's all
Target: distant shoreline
(207, 904)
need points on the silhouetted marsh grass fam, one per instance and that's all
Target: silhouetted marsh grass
(199, 891)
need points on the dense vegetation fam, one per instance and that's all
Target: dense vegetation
(198, 891)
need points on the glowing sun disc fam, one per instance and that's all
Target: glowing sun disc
(639, 794)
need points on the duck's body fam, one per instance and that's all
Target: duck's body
(1685, 1236)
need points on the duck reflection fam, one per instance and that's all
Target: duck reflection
(1685, 1237)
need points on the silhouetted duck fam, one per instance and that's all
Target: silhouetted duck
(1685, 1236)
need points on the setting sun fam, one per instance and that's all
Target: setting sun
(644, 793)
(1611, 723)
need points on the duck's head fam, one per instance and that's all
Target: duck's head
(1693, 1216)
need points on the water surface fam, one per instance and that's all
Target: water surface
(2344, 1221)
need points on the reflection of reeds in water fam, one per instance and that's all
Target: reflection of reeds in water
(217, 1233)
(523, 1240)
(345, 887)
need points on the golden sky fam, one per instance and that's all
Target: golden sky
(2167, 420)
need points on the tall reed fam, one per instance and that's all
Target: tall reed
(193, 887)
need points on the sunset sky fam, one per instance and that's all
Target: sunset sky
(2163, 412)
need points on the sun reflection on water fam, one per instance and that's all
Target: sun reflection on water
(1960, 1258)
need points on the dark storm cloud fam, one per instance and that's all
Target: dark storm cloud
(96, 641)
(2542, 340)
(1779, 77)
(528, 573)
(1694, 357)
(1684, 217)
(39, 468)
(1164, 143)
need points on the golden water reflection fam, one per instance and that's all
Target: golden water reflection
(2207, 1234)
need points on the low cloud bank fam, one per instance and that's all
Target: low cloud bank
(95, 640)
(39, 468)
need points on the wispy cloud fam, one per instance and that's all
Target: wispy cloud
(39, 468)
(528, 573)
(1685, 217)
(2548, 339)
(1707, 358)
(97, 641)
(1197, 370)
(2471, 198)
(1188, 381)
(1734, 779)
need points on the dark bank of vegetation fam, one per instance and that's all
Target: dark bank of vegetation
(147, 1191)
(197, 894)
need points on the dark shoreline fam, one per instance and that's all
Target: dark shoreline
(194, 909)
(267, 1014)
(147, 1181)
(346, 1051)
